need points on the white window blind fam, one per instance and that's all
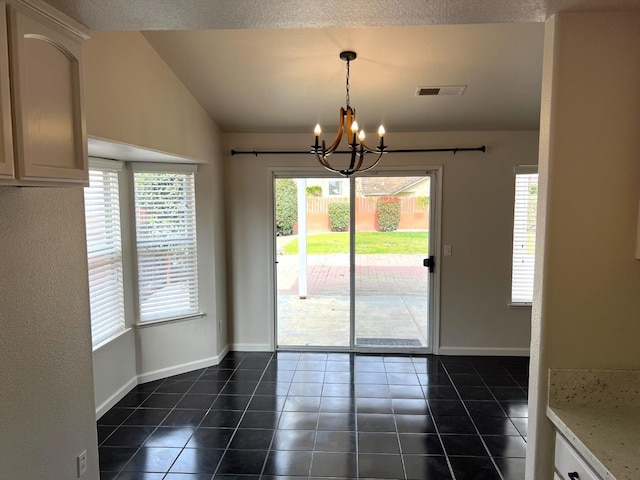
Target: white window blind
(524, 234)
(166, 243)
(104, 250)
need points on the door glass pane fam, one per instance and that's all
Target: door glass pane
(313, 277)
(391, 243)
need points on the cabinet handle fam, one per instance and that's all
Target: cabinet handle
(574, 476)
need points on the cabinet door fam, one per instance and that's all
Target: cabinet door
(47, 80)
(6, 142)
(569, 464)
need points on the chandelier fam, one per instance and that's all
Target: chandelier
(355, 140)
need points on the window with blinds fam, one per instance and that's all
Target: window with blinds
(524, 235)
(166, 242)
(104, 251)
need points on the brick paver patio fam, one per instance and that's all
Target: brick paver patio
(391, 301)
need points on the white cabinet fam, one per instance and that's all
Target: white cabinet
(569, 465)
(48, 145)
(6, 142)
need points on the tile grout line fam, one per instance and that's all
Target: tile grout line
(196, 427)
(435, 424)
(280, 409)
(491, 457)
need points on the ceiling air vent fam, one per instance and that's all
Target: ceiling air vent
(448, 90)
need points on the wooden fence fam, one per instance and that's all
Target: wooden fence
(413, 214)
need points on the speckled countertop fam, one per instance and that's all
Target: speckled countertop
(598, 411)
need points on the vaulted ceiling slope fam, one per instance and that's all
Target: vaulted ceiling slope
(272, 66)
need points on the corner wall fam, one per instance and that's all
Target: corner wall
(477, 221)
(133, 98)
(47, 415)
(587, 306)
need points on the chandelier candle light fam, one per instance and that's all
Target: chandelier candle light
(355, 140)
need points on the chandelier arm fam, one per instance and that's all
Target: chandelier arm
(322, 158)
(352, 163)
(368, 149)
(352, 136)
(360, 157)
(329, 167)
(351, 117)
(325, 155)
(338, 139)
(323, 161)
(373, 164)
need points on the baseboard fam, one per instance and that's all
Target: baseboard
(115, 398)
(251, 347)
(223, 352)
(178, 369)
(157, 375)
(471, 351)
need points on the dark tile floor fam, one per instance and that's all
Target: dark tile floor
(323, 415)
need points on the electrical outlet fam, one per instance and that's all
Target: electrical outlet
(82, 463)
(219, 324)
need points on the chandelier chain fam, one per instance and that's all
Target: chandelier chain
(348, 98)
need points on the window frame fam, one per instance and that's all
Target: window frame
(193, 309)
(521, 220)
(111, 314)
(335, 188)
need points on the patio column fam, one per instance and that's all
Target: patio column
(302, 237)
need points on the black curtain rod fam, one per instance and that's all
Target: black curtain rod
(409, 150)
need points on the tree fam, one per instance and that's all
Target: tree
(286, 205)
(314, 191)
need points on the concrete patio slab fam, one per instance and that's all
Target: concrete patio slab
(391, 300)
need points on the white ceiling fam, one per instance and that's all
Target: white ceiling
(289, 80)
(259, 66)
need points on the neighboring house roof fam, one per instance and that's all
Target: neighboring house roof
(387, 185)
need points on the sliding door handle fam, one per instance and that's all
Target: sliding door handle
(430, 263)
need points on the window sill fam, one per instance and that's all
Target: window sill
(112, 338)
(183, 318)
(519, 305)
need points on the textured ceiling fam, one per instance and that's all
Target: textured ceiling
(289, 80)
(273, 66)
(215, 14)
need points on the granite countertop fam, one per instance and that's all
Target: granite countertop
(598, 411)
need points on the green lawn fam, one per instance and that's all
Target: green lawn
(366, 242)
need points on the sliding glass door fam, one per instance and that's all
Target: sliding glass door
(391, 242)
(350, 257)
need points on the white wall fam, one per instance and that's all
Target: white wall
(133, 98)
(477, 221)
(587, 306)
(46, 391)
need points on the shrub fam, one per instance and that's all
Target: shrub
(314, 191)
(423, 202)
(286, 205)
(388, 211)
(339, 216)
